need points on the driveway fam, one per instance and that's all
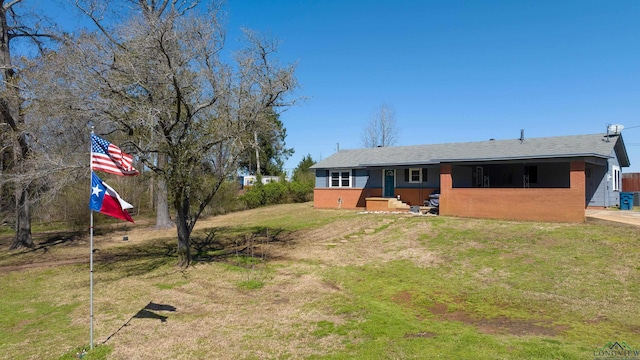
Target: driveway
(620, 217)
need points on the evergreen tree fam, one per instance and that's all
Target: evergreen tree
(271, 149)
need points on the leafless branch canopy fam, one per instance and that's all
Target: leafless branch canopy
(158, 84)
(381, 129)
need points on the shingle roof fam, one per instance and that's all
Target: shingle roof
(594, 145)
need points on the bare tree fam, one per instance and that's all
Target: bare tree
(381, 129)
(158, 80)
(17, 140)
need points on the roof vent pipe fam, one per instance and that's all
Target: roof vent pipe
(521, 136)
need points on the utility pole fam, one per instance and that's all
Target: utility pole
(255, 139)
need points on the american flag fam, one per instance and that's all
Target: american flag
(109, 158)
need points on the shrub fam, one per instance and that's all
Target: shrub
(300, 192)
(281, 192)
(275, 193)
(225, 200)
(254, 197)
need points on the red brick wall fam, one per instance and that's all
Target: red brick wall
(324, 198)
(562, 205)
(327, 198)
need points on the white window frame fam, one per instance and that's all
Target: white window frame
(411, 172)
(340, 172)
(615, 178)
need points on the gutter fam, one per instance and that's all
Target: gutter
(454, 160)
(559, 156)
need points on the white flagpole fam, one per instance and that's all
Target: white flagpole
(91, 286)
(91, 255)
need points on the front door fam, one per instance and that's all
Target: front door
(389, 183)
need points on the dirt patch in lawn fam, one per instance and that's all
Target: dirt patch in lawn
(498, 325)
(360, 241)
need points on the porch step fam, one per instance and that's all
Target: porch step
(386, 204)
(397, 204)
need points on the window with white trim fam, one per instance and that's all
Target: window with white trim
(340, 178)
(415, 175)
(615, 173)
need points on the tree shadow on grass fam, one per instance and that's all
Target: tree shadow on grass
(135, 259)
(147, 312)
(45, 241)
(209, 245)
(212, 244)
(221, 242)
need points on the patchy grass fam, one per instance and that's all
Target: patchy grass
(37, 310)
(251, 284)
(293, 282)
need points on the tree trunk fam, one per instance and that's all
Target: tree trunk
(163, 219)
(23, 221)
(184, 233)
(23, 206)
(10, 105)
(184, 248)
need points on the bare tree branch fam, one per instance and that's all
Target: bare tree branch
(157, 80)
(381, 129)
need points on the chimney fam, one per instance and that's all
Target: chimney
(521, 136)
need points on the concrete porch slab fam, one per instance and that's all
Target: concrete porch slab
(613, 217)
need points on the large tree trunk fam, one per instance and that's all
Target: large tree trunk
(163, 219)
(23, 206)
(10, 114)
(184, 232)
(23, 222)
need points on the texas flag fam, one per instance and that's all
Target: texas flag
(107, 201)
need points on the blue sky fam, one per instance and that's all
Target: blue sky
(454, 71)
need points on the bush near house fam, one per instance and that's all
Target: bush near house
(277, 192)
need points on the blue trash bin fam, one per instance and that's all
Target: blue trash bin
(626, 201)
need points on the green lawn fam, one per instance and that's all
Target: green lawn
(292, 282)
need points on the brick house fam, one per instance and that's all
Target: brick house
(546, 179)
